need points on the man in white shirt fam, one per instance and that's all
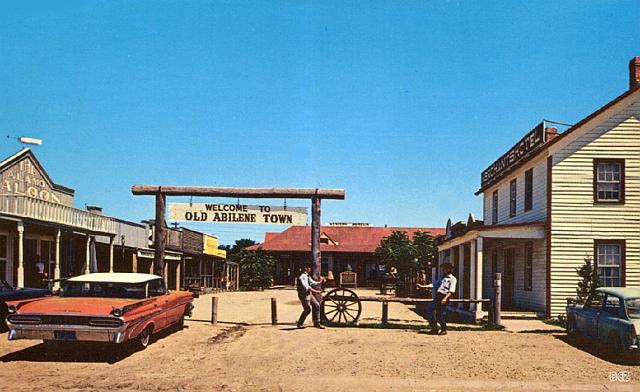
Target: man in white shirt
(443, 288)
(307, 287)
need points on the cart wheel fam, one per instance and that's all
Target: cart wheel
(341, 306)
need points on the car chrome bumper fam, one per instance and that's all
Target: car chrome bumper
(82, 333)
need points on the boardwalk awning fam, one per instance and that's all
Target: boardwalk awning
(531, 231)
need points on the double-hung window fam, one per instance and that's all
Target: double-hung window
(494, 207)
(608, 180)
(610, 261)
(513, 197)
(528, 266)
(528, 190)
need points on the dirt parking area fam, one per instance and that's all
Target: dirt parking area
(244, 352)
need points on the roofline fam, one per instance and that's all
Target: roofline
(496, 227)
(545, 147)
(26, 151)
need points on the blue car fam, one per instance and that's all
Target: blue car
(9, 293)
(611, 316)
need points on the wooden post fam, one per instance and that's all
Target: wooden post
(497, 299)
(159, 234)
(214, 310)
(111, 241)
(56, 270)
(87, 258)
(315, 237)
(385, 312)
(274, 312)
(20, 270)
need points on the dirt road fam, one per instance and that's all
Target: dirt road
(245, 353)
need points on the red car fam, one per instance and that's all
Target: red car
(101, 307)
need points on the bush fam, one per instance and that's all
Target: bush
(590, 281)
(256, 269)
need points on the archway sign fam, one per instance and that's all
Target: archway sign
(161, 193)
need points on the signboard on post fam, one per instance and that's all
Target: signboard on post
(238, 213)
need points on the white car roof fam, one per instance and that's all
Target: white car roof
(115, 277)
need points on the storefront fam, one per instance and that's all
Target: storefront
(214, 262)
(42, 236)
(552, 201)
(343, 248)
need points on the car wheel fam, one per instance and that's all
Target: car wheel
(572, 330)
(180, 323)
(144, 337)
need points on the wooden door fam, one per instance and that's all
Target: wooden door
(32, 275)
(3, 257)
(508, 278)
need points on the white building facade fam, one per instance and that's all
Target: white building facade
(549, 203)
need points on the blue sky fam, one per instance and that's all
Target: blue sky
(402, 104)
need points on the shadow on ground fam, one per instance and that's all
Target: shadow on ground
(595, 349)
(89, 352)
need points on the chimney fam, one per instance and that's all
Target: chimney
(95, 210)
(550, 133)
(634, 73)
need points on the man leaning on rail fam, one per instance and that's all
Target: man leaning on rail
(307, 287)
(442, 290)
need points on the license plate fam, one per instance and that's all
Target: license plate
(64, 335)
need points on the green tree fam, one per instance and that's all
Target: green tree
(237, 247)
(589, 279)
(407, 256)
(256, 268)
(399, 252)
(426, 250)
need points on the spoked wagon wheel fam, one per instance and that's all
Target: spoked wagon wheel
(341, 306)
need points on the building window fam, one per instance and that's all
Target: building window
(3, 257)
(608, 180)
(494, 208)
(513, 197)
(324, 266)
(610, 261)
(528, 266)
(528, 190)
(494, 261)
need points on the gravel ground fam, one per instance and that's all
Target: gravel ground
(243, 352)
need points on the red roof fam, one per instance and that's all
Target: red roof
(357, 239)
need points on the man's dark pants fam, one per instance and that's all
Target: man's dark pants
(440, 311)
(309, 303)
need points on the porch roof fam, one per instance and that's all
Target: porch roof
(530, 230)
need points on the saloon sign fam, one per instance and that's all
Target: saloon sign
(238, 213)
(517, 153)
(24, 179)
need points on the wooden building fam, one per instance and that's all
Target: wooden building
(343, 247)
(551, 201)
(42, 235)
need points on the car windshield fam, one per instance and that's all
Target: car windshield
(104, 290)
(4, 286)
(633, 307)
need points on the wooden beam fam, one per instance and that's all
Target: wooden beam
(252, 193)
(371, 298)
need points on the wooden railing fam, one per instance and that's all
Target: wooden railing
(28, 207)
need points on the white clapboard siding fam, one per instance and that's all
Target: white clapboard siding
(534, 299)
(539, 211)
(576, 220)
